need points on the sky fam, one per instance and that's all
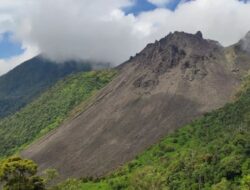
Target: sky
(9, 47)
(144, 5)
(110, 30)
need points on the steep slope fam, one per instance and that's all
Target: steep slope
(167, 85)
(49, 110)
(28, 80)
(210, 153)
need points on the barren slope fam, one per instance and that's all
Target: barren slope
(168, 84)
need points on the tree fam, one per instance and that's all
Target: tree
(223, 185)
(20, 174)
(49, 176)
(147, 179)
(245, 182)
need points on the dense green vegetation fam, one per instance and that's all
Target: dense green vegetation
(49, 110)
(212, 153)
(24, 83)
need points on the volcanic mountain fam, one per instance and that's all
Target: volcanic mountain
(21, 85)
(167, 85)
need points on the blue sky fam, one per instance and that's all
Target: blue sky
(8, 47)
(144, 5)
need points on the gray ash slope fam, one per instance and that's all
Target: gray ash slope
(168, 84)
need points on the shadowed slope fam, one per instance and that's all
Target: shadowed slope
(25, 82)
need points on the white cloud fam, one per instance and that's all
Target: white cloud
(83, 29)
(223, 20)
(100, 30)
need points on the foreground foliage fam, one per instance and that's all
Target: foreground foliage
(19, 174)
(212, 153)
(49, 110)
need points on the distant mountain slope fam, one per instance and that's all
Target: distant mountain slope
(167, 85)
(21, 85)
(212, 153)
(49, 110)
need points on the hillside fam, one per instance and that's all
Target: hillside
(167, 85)
(25, 82)
(49, 110)
(212, 153)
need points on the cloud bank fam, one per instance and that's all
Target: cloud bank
(101, 31)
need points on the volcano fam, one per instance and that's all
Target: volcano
(168, 84)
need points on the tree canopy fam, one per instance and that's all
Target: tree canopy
(20, 174)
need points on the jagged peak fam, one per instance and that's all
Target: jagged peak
(185, 34)
(199, 34)
(179, 49)
(177, 45)
(183, 40)
(176, 36)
